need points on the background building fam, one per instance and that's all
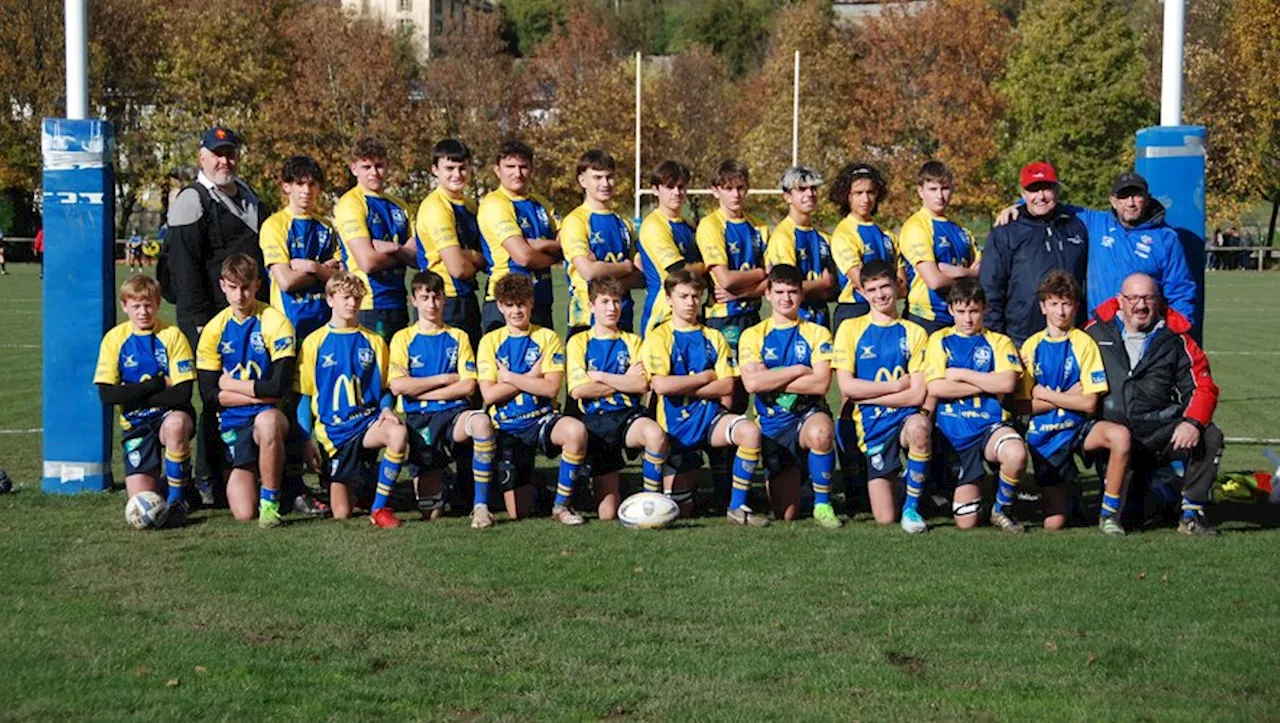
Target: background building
(428, 20)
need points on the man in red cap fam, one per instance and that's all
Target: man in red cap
(1018, 255)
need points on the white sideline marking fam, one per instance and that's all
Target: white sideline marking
(19, 346)
(33, 430)
(1244, 353)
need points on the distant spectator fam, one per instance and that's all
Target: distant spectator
(38, 247)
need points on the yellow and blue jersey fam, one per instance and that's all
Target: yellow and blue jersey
(418, 353)
(1060, 364)
(665, 244)
(609, 353)
(926, 237)
(604, 236)
(284, 237)
(738, 245)
(245, 349)
(807, 249)
(855, 244)
(344, 372)
(377, 217)
(444, 222)
(520, 353)
(671, 351)
(129, 356)
(964, 420)
(502, 216)
(783, 345)
(879, 353)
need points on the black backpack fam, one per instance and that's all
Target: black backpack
(208, 217)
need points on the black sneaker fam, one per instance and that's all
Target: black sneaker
(308, 505)
(1196, 526)
(177, 515)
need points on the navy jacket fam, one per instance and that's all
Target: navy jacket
(1017, 256)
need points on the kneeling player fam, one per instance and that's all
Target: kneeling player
(246, 361)
(607, 379)
(969, 370)
(1062, 384)
(433, 372)
(692, 370)
(786, 363)
(145, 366)
(521, 368)
(344, 397)
(879, 360)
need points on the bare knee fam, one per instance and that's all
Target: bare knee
(746, 434)
(397, 437)
(575, 436)
(176, 429)
(918, 434)
(821, 436)
(270, 427)
(655, 440)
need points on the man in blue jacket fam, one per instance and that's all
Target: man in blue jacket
(1131, 238)
(1018, 255)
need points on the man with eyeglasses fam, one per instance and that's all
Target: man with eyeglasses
(1162, 390)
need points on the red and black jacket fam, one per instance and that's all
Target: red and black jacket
(1170, 384)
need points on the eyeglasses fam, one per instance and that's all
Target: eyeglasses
(1135, 298)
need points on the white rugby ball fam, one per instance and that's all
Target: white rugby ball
(146, 511)
(648, 511)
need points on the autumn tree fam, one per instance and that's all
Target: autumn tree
(927, 94)
(687, 114)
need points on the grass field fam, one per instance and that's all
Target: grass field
(336, 620)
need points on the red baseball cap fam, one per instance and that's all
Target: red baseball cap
(1038, 172)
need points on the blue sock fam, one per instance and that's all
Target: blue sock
(482, 468)
(651, 468)
(568, 473)
(177, 469)
(267, 495)
(1110, 504)
(744, 466)
(822, 465)
(1004, 493)
(388, 470)
(1191, 510)
(917, 473)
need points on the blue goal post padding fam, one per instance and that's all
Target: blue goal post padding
(79, 301)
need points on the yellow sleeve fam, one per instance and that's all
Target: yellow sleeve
(497, 219)
(935, 359)
(1027, 381)
(1093, 375)
(182, 362)
(658, 242)
(726, 362)
(750, 344)
(918, 341)
(575, 238)
(208, 357)
(278, 333)
(552, 351)
(108, 369)
(273, 238)
(977, 252)
(1006, 357)
(843, 356)
(710, 239)
(916, 242)
(436, 224)
(379, 353)
(846, 247)
(350, 216)
(781, 248)
(633, 346)
(487, 358)
(577, 359)
(655, 352)
(819, 340)
(307, 364)
(400, 354)
(466, 357)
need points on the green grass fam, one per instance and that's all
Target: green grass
(337, 620)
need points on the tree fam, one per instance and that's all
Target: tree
(736, 30)
(926, 94)
(526, 23)
(1075, 95)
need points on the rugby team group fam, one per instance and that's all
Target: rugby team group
(313, 359)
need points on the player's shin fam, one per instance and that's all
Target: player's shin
(177, 470)
(483, 450)
(388, 471)
(821, 468)
(917, 473)
(651, 469)
(744, 466)
(569, 463)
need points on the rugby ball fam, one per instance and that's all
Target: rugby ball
(146, 511)
(648, 511)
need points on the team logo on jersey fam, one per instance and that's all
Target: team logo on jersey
(622, 361)
(415, 362)
(981, 358)
(558, 358)
(129, 362)
(543, 218)
(452, 358)
(162, 357)
(135, 458)
(1108, 241)
(226, 347)
(397, 215)
(531, 356)
(802, 351)
(327, 360)
(1069, 365)
(256, 341)
(770, 354)
(184, 366)
(904, 348)
(824, 347)
(733, 247)
(1098, 377)
(282, 344)
(868, 352)
(471, 367)
(366, 358)
(597, 238)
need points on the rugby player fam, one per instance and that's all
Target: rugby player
(937, 251)
(797, 243)
(667, 241)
